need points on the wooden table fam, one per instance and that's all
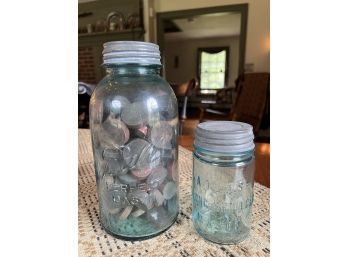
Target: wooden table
(262, 158)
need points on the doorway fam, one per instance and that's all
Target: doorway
(182, 34)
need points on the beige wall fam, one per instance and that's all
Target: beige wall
(258, 31)
(187, 54)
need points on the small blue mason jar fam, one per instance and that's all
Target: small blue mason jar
(134, 128)
(223, 180)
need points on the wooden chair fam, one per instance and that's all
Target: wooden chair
(183, 92)
(251, 96)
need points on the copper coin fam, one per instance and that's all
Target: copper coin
(141, 173)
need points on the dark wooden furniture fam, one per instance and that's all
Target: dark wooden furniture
(252, 90)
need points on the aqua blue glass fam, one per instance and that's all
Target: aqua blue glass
(222, 194)
(134, 128)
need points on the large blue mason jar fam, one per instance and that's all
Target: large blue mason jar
(223, 180)
(134, 128)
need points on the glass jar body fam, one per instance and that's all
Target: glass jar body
(134, 126)
(222, 195)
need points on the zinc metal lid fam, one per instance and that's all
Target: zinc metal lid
(122, 52)
(225, 136)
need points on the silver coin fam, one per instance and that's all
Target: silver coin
(169, 190)
(161, 135)
(113, 133)
(140, 199)
(135, 115)
(149, 157)
(128, 179)
(132, 151)
(113, 153)
(157, 177)
(118, 103)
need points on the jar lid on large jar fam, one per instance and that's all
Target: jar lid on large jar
(225, 136)
(127, 52)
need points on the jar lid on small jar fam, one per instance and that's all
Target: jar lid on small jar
(124, 52)
(225, 136)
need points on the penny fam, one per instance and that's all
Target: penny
(141, 173)
(141, 132)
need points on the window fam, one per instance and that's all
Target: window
(213, 68)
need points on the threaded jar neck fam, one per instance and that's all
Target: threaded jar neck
(223, 158)
(224, 142)
(127, 52)
(132, 69)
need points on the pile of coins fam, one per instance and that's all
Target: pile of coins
(136, 161)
